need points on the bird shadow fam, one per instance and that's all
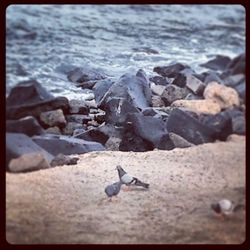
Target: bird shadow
(136, 189)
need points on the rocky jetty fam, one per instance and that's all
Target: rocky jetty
(172, 107)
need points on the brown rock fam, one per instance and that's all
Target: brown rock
(198, 106)
(226, 97)
(28, 162)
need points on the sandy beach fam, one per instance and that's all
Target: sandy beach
(67, 205)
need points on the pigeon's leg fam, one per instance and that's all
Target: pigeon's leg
(116, 198)
(110, 199)
(220, 216)
(127, 188)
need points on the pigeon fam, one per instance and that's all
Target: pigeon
(129, 180)
(113, 189)
(225, 208)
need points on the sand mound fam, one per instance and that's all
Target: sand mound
(68, 205)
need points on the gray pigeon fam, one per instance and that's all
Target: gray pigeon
(129, 180)
(113, 189)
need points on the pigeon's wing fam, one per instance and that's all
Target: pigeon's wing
(140, 183)
(127, 179)
(117, 188)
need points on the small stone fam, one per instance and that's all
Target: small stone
(180, 81)
(91, 104)
(70, 127)
(172, 93)
(83, 119)
(78, 107)
(194, 84)
(93, 123)
(159, 80)
(226, 97)
(100, 117)
(157, 101)
(53, 118)
(157, 89)
(62, 159)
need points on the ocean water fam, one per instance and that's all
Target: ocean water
(44, 42)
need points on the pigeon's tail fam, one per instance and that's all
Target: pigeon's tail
(239, 207)
(140, 183)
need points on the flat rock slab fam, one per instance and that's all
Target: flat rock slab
(66, 145)
(67, 205)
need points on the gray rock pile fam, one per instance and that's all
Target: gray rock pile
(173, 107)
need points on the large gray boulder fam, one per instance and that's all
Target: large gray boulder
(117, 110)
(189, 128)
(134, 88)
(143, 133)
